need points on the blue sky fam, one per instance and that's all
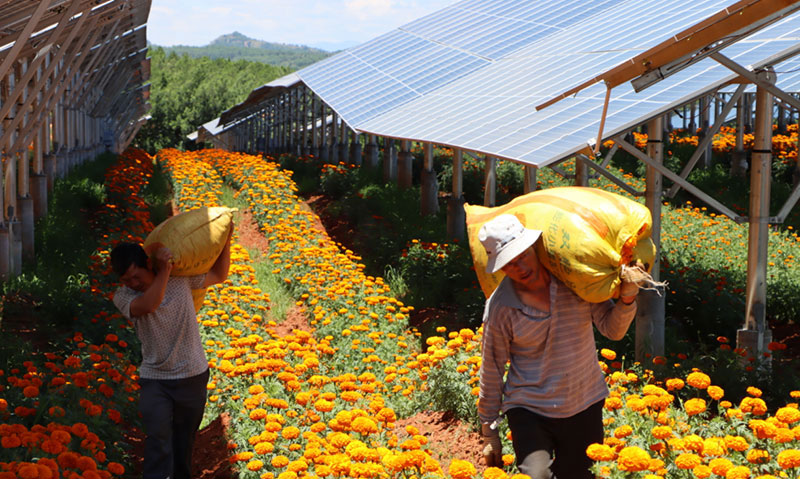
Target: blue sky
(327, 24)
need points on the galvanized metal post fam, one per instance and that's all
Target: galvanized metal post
(739, 160)
(755, 335)
(324, 150)
(651, 304)
(581, 173)
(304, 121)
(429, 192)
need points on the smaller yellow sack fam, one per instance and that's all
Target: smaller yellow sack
(196, 239)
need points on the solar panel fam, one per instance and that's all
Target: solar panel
(492, 109)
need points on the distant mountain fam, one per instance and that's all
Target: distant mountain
(235, 46)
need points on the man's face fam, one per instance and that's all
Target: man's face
(525, 268)
(137, 278)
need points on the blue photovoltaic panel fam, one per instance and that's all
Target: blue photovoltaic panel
(492, 109)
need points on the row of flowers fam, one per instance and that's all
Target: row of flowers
(63, 411)
(304, 417)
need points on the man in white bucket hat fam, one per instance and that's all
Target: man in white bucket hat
(554, 393)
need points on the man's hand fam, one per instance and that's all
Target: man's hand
(493, 447)
(163, 260)
(629, 288)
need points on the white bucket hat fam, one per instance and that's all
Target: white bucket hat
(504, 238)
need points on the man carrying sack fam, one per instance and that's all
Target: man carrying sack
(554, 393)
(174, 370)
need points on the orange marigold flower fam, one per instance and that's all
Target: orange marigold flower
(788, 459)
(675, 384)
(661, 432)
(738, 472)
(758, 456)
(633, 458)
(255, 465)
(687, 460)
(698, 380)
(720, 466)
(608, 354)
(600, 452)
(461, 469)
(695, 406)
(716, 392)
(788, 415)
(754, 391)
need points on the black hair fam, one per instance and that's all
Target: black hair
(125, 254)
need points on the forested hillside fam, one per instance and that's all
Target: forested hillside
(186, 92)
(236, 46)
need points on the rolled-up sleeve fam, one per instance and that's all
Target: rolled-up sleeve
(495, 354)
(613, 319)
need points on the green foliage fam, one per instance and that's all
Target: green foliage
(338, 180)
(158, 195)
(236, 46)
(186, 92)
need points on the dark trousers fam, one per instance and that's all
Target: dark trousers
(537, 439)
(172, 410)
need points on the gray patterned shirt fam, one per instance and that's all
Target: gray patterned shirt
(554, 369)
(170, 336)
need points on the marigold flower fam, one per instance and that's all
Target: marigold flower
(716, 392)
(600, 452)
(698, 380)
(738, 472)
(494, 473)
(788, 415)
(758, 456)
(255, 465)
(720, 466)
(701, 471)
(280, 461)
(461, 469)
(695, 406)
(661, 432)
(754, 391)
(623, 431)
(608, 354)
(788, 459)
(633, 458)
(675, 384)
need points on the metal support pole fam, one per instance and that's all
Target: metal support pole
(755, 335)
(389, 160)
(372, 152)
(490, 182)
(355, 148)
(334, 144)
(429, 192)
(324, 150)
(651, 304)
(405, 163)
(581, 173)
(456, 216)
(739, 160)
(530, 178)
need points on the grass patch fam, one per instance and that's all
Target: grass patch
(281, 300)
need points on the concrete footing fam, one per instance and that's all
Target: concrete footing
(39, 194)
(429, 193)
(456, 218)
(26, 225)
(405, 175)
(15, 237)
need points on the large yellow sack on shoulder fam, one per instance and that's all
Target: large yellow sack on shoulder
(196, 239)
(588, 234)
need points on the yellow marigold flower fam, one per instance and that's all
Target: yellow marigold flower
(788, 415)
(600, 452)
(608, 354)
(255, 465)
(674, 384)
(695, 406)
(287, 475)
(461, 469)
(255, 389)
(698, 380)
(323, 405)
(783, 435)
(687, 460)
(714, 446)
(736, 443)
(693, 442)
(612, 403)
(258, 414)
(758, 456)
(738, 472)
(661, 432)
(494, 473)
(280, 461)
(633, 458)
(753, 405)
(716, 392)
(702, 471)
(508, 459)
(720, 466)
(754, 391)
(364, 425)
(788, 459)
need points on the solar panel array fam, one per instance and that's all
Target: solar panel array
(471, 75)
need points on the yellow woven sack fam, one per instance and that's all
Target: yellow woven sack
(587, 235)
(196, 238)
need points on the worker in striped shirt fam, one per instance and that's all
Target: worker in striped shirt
(554, 393)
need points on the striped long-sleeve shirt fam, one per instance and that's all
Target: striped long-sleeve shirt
(554, 369)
